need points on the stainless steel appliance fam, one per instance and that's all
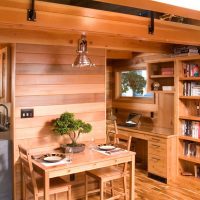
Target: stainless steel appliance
(5, 170)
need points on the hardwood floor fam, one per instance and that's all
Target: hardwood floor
(149, 189)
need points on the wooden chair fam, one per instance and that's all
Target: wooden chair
(111, 130)
(34, 184)
(109, 174)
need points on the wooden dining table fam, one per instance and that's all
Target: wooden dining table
(84, 161)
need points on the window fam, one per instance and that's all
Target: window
(134, 84)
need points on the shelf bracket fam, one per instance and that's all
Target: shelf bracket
(31, 13)
(151, 25)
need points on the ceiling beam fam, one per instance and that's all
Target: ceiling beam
(54, 17)
(156, 6)
(71, 38)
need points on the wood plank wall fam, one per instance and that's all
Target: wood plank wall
(46, 82)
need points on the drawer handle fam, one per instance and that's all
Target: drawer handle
(154, 145)
(156, 159)
(155, 139)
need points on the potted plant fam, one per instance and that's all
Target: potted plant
(66, 124)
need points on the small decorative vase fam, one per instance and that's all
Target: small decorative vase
(156, 86)
(76, 149)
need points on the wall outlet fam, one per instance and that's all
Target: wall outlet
(27, 113)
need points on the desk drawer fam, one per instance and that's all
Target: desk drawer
(133, 134)
(157, 140)
(157, 165)
(159, 149)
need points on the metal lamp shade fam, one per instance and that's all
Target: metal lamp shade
(82, 59)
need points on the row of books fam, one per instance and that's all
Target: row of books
(186, 49)
(191, 88)
(191, 149)
(167, 70)
(191, 128)
(191, 70)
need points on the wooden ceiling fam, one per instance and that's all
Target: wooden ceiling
(62, 24)
(138, 8)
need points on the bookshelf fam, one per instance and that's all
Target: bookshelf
(161, 72)
(188, 96)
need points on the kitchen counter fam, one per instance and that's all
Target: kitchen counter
(148, 130)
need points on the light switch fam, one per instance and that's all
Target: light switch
(27, 113)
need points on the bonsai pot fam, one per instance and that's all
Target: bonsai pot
(76, 149)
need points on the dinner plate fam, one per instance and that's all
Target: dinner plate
(106, 147)
(53, 158)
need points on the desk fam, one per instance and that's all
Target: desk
(162, 147)
(85, 161)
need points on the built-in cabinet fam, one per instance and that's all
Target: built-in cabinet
(161, 76)
(183, 74)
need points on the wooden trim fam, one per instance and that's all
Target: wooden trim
(136, 106)
(13, 130)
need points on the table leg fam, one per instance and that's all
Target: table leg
(132, 179)
(46, 186)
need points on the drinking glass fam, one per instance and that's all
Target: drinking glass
(92, 143)
(69, 153)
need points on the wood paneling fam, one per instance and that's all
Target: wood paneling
(46, 82)
(64, 59)
(32, 68)
(59, 109)
(46, 120)
(58, 89)
(58, 79)
(24, 101)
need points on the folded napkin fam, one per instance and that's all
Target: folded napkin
(110, 152)
(49, 164)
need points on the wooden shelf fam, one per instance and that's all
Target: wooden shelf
(190, 159)
(190, 117)
(189, 138)
(162, 76)
(187, 108)
(188, 58)
(190, 97)
(189, 78)
(164, 92)
(188, 178)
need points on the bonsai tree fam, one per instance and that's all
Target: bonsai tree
(134, 81)
(68, 125)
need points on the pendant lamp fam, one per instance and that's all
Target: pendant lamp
(82, 59)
